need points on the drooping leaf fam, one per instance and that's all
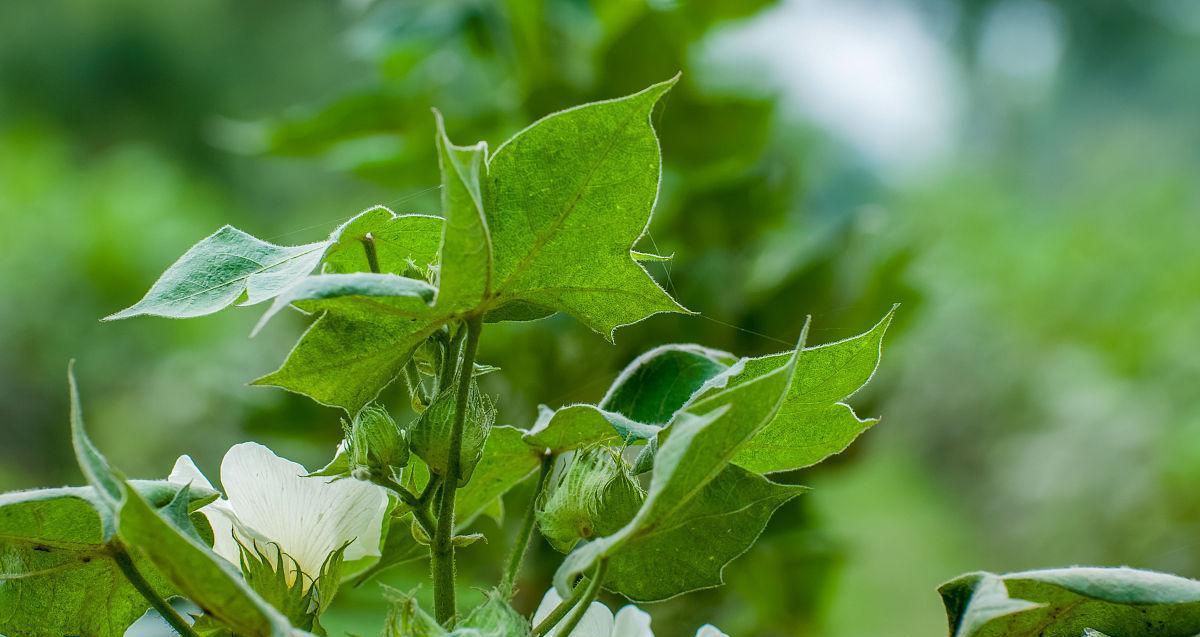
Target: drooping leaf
(733, 509)
(567, 199)
(813, 423)
(400, 241)
(578, 426)
(57, 573)
(658, 383)
(1068, 602)
(465, 266)
(361, 294)
(196, 572)
(699, 445)
(221, 269)
(345, 362)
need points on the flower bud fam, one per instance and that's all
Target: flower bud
(594, 497)
(430, 436)
(376, 444)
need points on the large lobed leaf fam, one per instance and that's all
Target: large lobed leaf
(567, 199)
(1071, 602)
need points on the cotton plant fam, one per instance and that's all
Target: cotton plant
(648, 493)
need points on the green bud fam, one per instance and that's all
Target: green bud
(376, 446)
(430, 435)
(594, 496)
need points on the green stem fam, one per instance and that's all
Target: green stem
(168, 612)
(442, 550)
(450, 359)
(581, 598)
(420, 509)
(368, 242)
(508, 583)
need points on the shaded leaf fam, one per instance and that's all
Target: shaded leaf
(400, 240)
(506, 461)
(362, 294)
(699, 445)
(344, 362)
(1068, 602)
(57, 573)
(658, 383)
(578, 426)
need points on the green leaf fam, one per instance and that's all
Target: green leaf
(658, 383)
(813, 423)
(345, 362)
(465, 267)
(699, 445)
(57, 575)
(567, 199)
(401, 241)
(1068, 602)
(219, 270)
(94, 466)
(399, 547)
(198, 573)
(578, 426)
(361, 294)
(690, 552)
(506, 461)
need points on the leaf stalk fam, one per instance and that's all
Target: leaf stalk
(124, 562)
(508, 583)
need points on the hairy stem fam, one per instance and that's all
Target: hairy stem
(168, 612)
(581, 598)
(420, 508)
(368, 242)
(508, 583)
(442, 550)
(450, 358)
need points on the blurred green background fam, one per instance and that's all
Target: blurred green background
(1021, 175)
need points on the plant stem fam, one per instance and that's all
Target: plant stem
(442, 549)
(581, 598)
(420, 508)
(450, 359)
(168, 612)
(508, 583)
(368, 242)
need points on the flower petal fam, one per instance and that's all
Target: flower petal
(708, 630)
(632, 621)
(186, 472)
(596, 622)
(220, 515)
(308, 517)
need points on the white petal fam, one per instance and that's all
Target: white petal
(632, 621)
(550, 601)
(308, 517)
(186, 472)
(596, 622)
(220, 515)
(708, 630)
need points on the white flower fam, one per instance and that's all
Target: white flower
(270, 500)
(598, 621)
